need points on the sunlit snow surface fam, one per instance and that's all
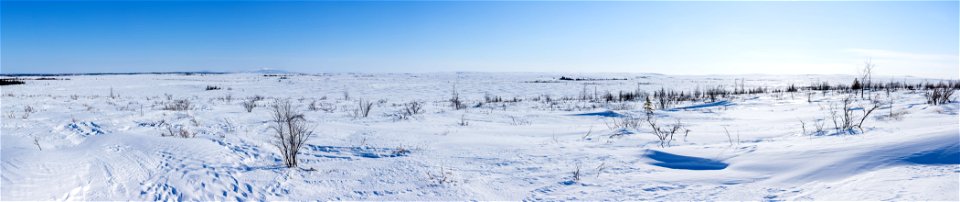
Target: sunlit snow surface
(750, 147)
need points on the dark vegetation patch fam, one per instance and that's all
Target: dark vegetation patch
(280, 76)
(20, 80)
(4, 82)
(564, 78)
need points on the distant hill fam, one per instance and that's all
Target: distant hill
(110, 73)
(269, 71)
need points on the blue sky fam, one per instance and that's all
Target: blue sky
(902, 38)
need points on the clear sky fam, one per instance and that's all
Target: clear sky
(902, 38)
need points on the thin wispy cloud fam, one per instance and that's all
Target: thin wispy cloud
(890, 54)
(890, 62)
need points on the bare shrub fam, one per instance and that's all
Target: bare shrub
(363, 108)
(938, 96)
(518, 121)
(409, 110)
(291, 131)
(844, 118)
(665, 134)
(178, 105)
(729, 138)
(589, 132)
(623, 123)
(818, 124)
(89, 108)
(413, 108)
(313, 106)
(249, 105)
(176, 131)
(803, 126)
(842, 115)
(228, 98)
(600, 168)
(455, 100)
(576, 173)
(399, 151)
(36, 141)
(256, 98)
(443, 177)
(622, 106)
(326, 107)
(27, 110)
(463, 121)
(227, 126)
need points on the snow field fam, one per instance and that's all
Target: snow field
(98, 147)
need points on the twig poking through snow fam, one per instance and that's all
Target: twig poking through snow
(36, 141)
(600, 169)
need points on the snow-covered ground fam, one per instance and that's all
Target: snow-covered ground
(99, 138)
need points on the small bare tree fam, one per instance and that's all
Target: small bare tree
(249, 105)
(866, 113)
(291, 131)
(455, 101)
(866, 76)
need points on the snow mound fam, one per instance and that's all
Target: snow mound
(608, 113)
(940, 156)
(937, 148)
(706, 105)
(674, 161)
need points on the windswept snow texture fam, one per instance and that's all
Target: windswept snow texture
(98, 138)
